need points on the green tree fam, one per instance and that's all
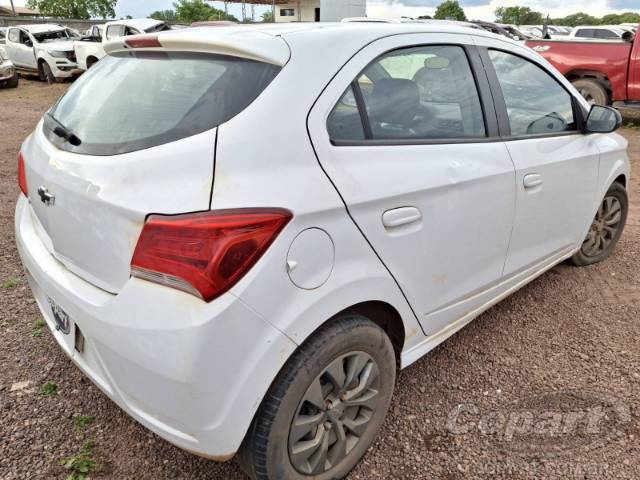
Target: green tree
(82, 9)
(424, 17)
(450, 10)
(518, 16)
(617, 19)
(267, 17)
(164, 15)
(577, 19)
(189, 11)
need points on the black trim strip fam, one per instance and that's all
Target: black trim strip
(484, 91)
(496, 91)
(448, 141)
(362, 109)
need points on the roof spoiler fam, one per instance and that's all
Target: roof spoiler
(251, 45)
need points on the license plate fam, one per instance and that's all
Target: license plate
(60, 317)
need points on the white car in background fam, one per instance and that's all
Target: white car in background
(597, 32)
(8, 74)
(89, 49)
(240, 233)
(44, 50)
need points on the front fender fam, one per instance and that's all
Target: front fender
(614, 162)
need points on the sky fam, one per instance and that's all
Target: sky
(475, 9)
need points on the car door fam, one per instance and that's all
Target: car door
(556, 164)
(12, 45)
(407, 133)
(22, 47)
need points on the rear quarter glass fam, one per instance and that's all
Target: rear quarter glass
(131, 101)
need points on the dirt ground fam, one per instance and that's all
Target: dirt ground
(544, 385)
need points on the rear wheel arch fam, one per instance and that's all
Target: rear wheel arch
(385, 316)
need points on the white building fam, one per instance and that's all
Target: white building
(319, 10)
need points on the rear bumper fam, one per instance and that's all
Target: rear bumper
(190, 371)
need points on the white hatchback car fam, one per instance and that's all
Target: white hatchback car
(239, 233)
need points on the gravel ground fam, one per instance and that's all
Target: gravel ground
(544, 385)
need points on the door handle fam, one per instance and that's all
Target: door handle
(532, 180)
(397, 217)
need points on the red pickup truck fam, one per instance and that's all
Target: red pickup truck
(604, 72)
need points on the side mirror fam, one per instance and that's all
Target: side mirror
(603, 119)
(627, 36)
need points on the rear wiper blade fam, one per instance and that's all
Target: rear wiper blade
(63, 132)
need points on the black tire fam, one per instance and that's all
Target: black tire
(266, 453)
(13, 81)
(592, 91)
(608, 225)
(91, 61)
(46, 73)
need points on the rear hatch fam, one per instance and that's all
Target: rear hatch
(134, 136)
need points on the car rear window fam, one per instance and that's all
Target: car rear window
(135, 100)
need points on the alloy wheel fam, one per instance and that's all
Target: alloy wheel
(334, 413)
(604, 228)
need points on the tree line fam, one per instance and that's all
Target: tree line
(451, 10)
(189, 11)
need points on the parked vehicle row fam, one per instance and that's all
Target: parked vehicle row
(8, 73)
(256, 294)
(55, 53)
(89, 49)
(605, 72)
(43, 50)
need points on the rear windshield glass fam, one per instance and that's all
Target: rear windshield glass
(131, 101)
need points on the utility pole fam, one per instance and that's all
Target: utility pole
(273, 11)
(13, 9)
(299, 12)
(244, 12)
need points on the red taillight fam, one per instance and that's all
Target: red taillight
(143, 41)
(22, 175)
(205, 253)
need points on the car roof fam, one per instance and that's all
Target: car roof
(138, 23)
(275, 43)
(41, 28)
(355, 28)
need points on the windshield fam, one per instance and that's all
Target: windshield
(54, 36)
(135, 100)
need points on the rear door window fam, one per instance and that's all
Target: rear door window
(135, 100)
(421, 93)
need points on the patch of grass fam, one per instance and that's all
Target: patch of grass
(82, 464)
(38, 328)
(49, 388)
(10, 283)
(83, 421)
